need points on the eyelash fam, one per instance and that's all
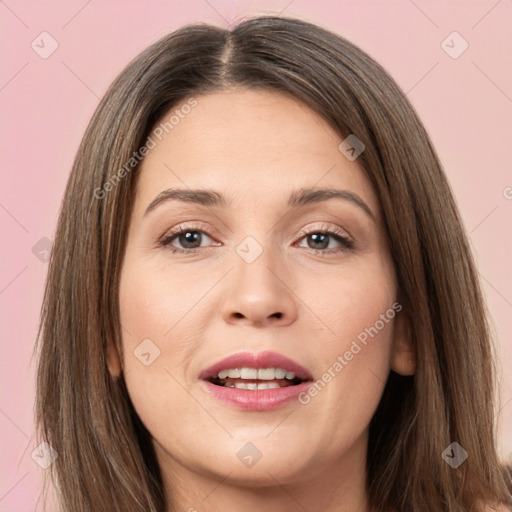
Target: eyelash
(338, 235)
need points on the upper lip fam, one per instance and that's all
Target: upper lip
(256, 360)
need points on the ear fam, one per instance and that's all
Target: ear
(403, 357)
(113, 360)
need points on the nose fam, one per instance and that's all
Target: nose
(260, 293)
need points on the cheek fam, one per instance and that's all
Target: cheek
(155, 304)
(152, 312)
(154, 359)
(349, 301)
(356, 358)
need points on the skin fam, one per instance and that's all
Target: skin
(256, 147)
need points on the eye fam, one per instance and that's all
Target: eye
(189, 237)
(320, 240)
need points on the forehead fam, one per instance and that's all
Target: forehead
(251, 145)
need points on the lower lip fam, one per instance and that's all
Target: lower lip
(257, 399)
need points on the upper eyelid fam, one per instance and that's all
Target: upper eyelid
(326, 228)
(207, 230)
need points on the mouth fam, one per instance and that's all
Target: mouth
(260, 381)
(255, 378)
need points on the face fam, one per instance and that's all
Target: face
(257, 268)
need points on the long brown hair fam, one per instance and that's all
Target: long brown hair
(105, 458)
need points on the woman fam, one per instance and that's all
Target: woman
(260, 294)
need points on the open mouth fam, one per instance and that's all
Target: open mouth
(259, 381)
(255, 378)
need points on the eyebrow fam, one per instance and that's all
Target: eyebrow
(298, 198)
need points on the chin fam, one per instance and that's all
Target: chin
(264, 473)
(259, 461)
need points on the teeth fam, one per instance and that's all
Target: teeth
(253, 385)
(232, 374)
(256, 374)
(280, 373)
(266, 374)
(248, 373)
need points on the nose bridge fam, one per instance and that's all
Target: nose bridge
(259, 291)
(256, 264)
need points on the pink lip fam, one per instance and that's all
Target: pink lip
(258, 360)
(256, 400)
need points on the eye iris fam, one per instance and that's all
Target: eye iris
(189, 237)
(320, 238)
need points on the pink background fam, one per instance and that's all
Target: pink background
(465, 103)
